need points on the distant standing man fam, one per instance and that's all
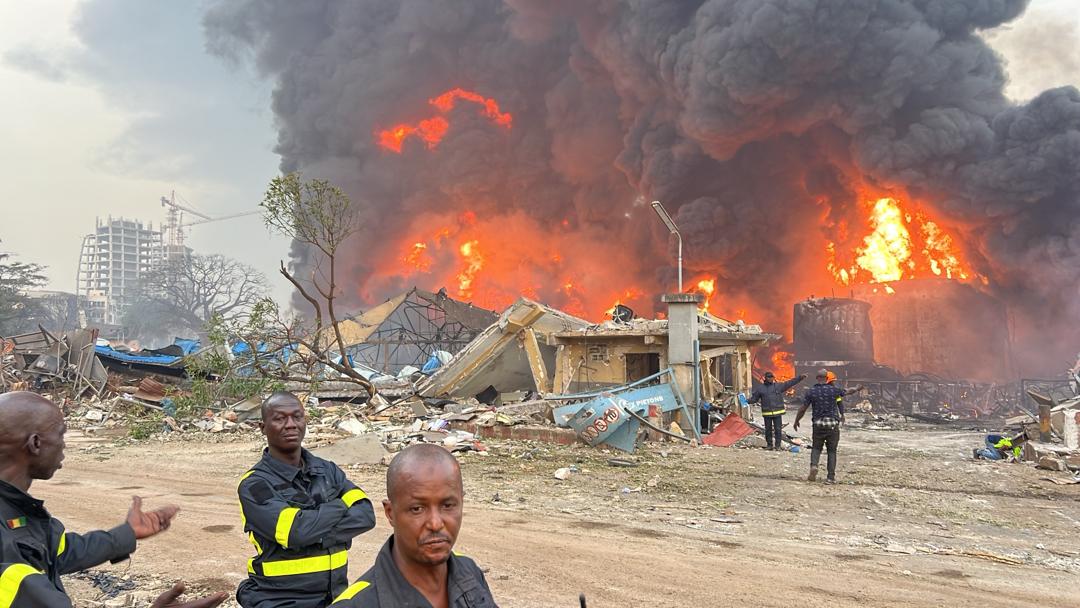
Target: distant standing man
(771, 396)
(828, 414)
(35, 549)
(417, 566)
(301, 514)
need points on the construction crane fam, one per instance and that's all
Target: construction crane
(173, 231)
(223, 217)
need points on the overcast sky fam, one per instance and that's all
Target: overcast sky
(110, 104)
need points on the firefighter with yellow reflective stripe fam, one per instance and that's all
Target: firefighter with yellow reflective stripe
(34, 547)
(770, 394)
(22, 586)
(300, 513)
(417, 565)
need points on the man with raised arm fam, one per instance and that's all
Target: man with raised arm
(35, 549)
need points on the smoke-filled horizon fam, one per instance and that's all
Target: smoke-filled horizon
(767, 127)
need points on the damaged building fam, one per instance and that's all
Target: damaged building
(409, 329)
(534, 348)
(921, 346)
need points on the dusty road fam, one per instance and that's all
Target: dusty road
(912, 523)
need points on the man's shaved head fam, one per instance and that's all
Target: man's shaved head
(424, 504)
(31, 437)
(23, 413)
(416, 458)
(278, 399)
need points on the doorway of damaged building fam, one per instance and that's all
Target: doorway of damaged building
(722, 369)
(641, 365)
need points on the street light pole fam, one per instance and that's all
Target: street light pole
(670, 223)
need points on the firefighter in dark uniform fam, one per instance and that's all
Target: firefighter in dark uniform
(770, 395)
(417, 565)
(301, 513)
(35, 549)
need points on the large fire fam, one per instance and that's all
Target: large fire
(432, 130)
(901, 245)
(494, 259)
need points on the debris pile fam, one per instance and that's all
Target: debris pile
(40, 361)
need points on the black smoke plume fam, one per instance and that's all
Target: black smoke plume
(756, 121)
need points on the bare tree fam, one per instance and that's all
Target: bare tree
(319, 215)
(183, 294)
(56, 311)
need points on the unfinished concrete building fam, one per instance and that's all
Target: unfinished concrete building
(114, 258)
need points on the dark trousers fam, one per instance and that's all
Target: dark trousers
(773, 426)
(829, 439)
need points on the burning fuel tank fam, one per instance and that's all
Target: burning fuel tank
(937, 326)
(833, 333)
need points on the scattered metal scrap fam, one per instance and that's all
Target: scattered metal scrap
(41, 361)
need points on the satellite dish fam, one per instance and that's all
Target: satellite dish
(622, 314)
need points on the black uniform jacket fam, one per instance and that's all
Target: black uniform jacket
(771, 396)
(301, 522)
(35, 549)
(21, 586)
(383, 586)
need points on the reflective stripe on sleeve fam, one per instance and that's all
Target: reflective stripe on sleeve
(306, 565)
(352, 496)
(353, 589)
(63, 544)
(284, 525)
(258, 547)
(10, 581)
(243, 518)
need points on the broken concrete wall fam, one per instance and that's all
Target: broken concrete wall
(500, 355)
(590, 364)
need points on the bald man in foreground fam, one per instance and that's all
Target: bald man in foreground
(34, 547)
(417, 567)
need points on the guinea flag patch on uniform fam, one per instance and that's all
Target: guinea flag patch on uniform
(15, 524)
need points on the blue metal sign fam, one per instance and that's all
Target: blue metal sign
(604, 419)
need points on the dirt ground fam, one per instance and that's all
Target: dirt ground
(913, 522)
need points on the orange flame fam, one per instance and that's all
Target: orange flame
(491, 259)
(432, 130)
(445, 102)
(470, 251)
(706, 287)
(783, 366)
(900, 246)
(417, 258)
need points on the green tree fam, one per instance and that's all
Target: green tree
(16, 277)
(319, 215)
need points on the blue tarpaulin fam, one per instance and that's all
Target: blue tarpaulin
(109, 353)
(185, 346)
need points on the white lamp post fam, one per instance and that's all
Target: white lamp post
(670, 223)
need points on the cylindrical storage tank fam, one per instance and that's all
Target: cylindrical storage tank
(828, 331)
(942, 327)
